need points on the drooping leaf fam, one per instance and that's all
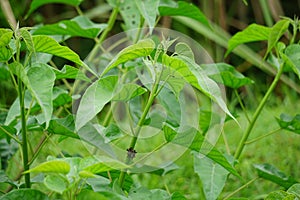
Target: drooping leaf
(184, 9)
(79, 26)
(5, 36)
(213, 176)
(140, 49)
(128, 91)
(70, 72)
(289, 123)
(276, 32)
(63, 126)
(293, 54)
(183, 49)
(271, 173)
(35, 4)
(25, 194)
(226, 74)
(56, 183)
(252, 33)
(55, 166)
(295, 189)
(149, 10)
(94, 99)
(27, 38)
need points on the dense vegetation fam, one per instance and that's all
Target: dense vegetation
(150, 99)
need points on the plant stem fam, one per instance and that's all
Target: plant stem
(262, 136)
(240, 188)
(257, 113)
(241, 104)
(150, 101)
(24, 133)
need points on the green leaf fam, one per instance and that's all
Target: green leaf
(195, 141)
(213, 176)
(252, 33)
(27, 38)
(55, 166)
(63, 126)
(169, 133)
(293, 54)
(70, 72)
(25, 194)
(39, 79)
(141, 49)
(271, 173)
(280, 195)
(207, 119)
(226, 74)
(5, 53)
(144, 193)
(35, 4)
(105, 166)
(184, 9)
(149, 10)
(56, 183)
(86, 194)
(289, 123)
(46, 44)
(94, 99)
(79, 26)
(5, 130)
(276, 32)
(194, 75)
(295, 189)
(183, 49)
(128, 91)
(177, 196)
(131, 16)
(5, 36)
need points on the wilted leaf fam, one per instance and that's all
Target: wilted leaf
(271, 173)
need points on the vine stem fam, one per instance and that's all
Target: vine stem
(24, 133)
(134, 139)
(257, 113)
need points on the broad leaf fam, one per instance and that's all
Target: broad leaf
(149, 10)
(213, 176)
(63, 126)
(183, 49)
(144, 193)
(226, 74)
(131, 16)
(276, 32)
(252, 33)
(55, 166)
(140, 49)
(5, 36)
(25, 194)
(27, 38)
(5, 53)
(86, 194)
(169, 133)
(280, 195)
(271, 173)
(37, 3)
(79, 26)
(289, 123)
(184, 9)
(128, 91)
(56, 183)
(94, 99)
(105, 166)
(70, 72)
(293, 54)
(295, 189)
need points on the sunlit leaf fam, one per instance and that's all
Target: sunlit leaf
(295, 189)
(184, 9)
(149, 10)
(280, 195)
(56, 166)
(271, 173)
(94, 99)
(213, 176)
(79, 26)
(226, 74)
(293, 54)
(5, 53)
(276, 33)
(35, 4)
(5, 36)
(128, 91)
(252, 33)
(56, 183)
(183, 49)
(25, 194)
(140, 49)
(69, 72)
(289, 123)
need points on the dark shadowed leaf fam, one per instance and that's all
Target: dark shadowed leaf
(128, 91)
(63, 126)
(71, 73)
(184, 9)
(271, 173)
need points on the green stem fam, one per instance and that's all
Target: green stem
(24, 133)
(257, 113)
(262, 136)
(241, 104)
(266, 12)
(240, 188)
(110, 25)
(150, 101)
